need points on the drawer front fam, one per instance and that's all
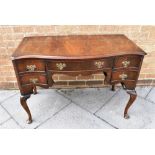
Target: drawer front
(124, 75)
(30, 65)
(127, 62)
(33, 79)
(80, 65)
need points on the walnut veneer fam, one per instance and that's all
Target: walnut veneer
(38, 58)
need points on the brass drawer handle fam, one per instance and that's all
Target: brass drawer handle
(31, 68)
(33, 80)
(60, 66)
(99, 64)
(126, 63)
(123, 76)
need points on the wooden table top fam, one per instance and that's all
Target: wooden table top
(76, 47)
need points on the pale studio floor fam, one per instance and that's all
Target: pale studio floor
(78, 108)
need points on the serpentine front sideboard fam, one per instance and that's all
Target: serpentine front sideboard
(38, 58)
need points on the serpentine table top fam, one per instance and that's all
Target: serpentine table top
(76, 47)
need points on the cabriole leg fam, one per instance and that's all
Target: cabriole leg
(113, 87)
(133, 96)
(23, 100)
(34, 89)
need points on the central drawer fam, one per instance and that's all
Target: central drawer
(87, 65)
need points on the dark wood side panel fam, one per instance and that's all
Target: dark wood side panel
(26, 89)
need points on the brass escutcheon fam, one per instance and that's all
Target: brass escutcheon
(31, 68)
(99, 64)
(126, 63)
(33, 80)
(60, 66)
(123, 76)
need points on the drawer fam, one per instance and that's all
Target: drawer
(33, 78)
(124, 75)
(127, 62)
(30, 65)
(80, 65)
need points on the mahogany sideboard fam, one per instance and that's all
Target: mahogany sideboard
(37, 58)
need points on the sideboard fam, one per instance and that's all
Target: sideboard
(37, 58)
